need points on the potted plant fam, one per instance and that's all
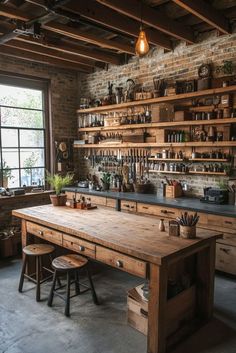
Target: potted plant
(58, 182)
(106, 179)
(6, 174)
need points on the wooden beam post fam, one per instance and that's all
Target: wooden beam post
(205, 12)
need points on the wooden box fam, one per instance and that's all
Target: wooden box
(162, 112)
(135, 138)
(180, 310)
(173, 191)
(183, 115)
(160, 135)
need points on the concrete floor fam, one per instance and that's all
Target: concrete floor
(30, 327)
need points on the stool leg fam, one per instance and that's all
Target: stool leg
(22, 276)
(50, 298)
(77, 286)
(67, 307)
(37, 278)
(95, 299)
(58, 279)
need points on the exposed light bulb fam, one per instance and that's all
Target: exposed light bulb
(141, 46)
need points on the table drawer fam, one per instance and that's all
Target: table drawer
(121, 261)
(95, 200)
(78, 245)
(161, 211)
(44, 233)
(111, 203)
(220, 221)
(226, 258)
(129, 206)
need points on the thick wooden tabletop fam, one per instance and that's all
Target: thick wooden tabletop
(131, 234)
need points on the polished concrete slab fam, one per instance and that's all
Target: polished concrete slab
(30, 327)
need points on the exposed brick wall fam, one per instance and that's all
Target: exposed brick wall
(12, 203)
(182, 63)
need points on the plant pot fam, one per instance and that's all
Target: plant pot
(105, 186)
(5, 182)
(58, 200)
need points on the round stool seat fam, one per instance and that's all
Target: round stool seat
(38, 249)
(69, 262)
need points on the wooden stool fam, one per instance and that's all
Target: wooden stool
(37, 251)
(70, 264)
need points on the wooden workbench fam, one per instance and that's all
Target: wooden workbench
(133, 244)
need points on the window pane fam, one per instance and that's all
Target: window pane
(32, 177)
(21, 118)
(31, 158)
(13, 181)
(20, 97)
(9, 138)
(10, 158)
(31, 138)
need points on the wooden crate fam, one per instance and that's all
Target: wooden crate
(173, 191)
(180, 309)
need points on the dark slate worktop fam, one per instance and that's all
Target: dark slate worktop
(188, 203)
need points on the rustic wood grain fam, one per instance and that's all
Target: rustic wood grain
(130, 234)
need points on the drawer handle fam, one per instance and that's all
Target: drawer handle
(145, 207)
(143, 312)
(131, 206)
(225, 250)
(40, 232)
(126, 205)
(165, 211)
(81, 248)
(228, 222)
(119, 263)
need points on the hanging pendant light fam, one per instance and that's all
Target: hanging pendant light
(141, 46)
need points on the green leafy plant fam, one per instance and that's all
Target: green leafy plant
(6, 171)
(106, 178)
(58, 181)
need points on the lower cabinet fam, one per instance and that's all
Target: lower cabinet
(226, 258)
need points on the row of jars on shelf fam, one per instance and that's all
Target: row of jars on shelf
(141, 116)
(183, 168)
(170, 154)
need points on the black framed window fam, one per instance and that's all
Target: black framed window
(22, 133)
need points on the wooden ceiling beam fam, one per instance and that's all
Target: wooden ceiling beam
(102, 15)
(105, 57)
(33, 57)
(206, 13)
(151, 17)
(86, 37)
(33, 48)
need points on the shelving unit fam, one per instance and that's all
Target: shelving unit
(182, 102)
(215, 144)
(160, 125)
(168, 99)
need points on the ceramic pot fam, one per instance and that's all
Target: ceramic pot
(58, 200)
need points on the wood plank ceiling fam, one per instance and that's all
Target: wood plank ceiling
(82, 35)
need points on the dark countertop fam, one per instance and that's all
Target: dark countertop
(188, 203)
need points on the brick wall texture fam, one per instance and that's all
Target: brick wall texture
(182, 63)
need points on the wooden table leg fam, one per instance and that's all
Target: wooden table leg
(156, 340)
(205, 281)
(30, 267)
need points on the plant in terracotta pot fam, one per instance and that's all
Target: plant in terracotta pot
(58, 182)
(106, 180)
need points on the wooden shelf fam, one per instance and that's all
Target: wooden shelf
(177, 97)
(208, 160)
(186, 173)
(160, 125)
(165, 172)
(207, 173)
(156, 145)
(166, 159)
